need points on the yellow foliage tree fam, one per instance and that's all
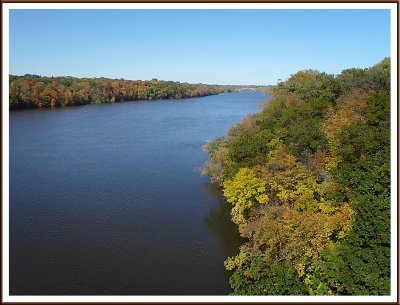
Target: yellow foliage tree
(297, 225)
(243, 192)
(282, 233)
(288, 181)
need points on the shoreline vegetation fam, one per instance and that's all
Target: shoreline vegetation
(34, 91)
(308, 180)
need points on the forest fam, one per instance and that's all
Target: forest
(308, 181)
(34, 91)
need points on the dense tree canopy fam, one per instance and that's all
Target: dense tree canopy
(309, 183)
(33, 91)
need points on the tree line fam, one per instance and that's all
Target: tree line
(34, 91)
(308, 179)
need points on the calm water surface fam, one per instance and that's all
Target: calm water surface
(106, 199)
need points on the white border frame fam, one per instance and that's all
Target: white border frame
(178, 299)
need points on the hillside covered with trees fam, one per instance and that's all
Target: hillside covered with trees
(33, 91)
(308, 179)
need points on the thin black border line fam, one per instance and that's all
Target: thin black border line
(183, 2)
(206, 2)
(398, 111)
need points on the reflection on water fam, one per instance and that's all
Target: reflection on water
(219, 221)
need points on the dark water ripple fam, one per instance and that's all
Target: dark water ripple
(105, 199)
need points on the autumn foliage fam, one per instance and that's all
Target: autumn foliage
(308, 180)
(33, 91)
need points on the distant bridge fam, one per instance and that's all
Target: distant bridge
(247, 89)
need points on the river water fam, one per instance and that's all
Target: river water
(107, 199)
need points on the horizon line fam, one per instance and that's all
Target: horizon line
(133, 80)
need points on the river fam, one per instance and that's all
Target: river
(108, 200)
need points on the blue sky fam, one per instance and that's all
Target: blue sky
(208, 46)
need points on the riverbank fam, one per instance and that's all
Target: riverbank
(34, 91)
(308, 179)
